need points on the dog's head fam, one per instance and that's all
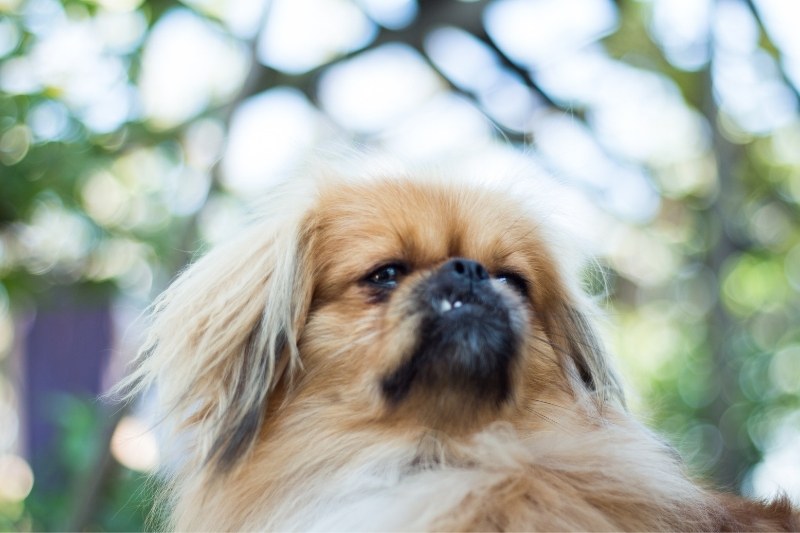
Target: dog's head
(388, 302)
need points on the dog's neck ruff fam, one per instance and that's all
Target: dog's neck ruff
(427, 484)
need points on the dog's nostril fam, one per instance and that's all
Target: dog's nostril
(467, 268)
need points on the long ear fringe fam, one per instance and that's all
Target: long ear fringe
(220, 336)
(572, 316)
(577, 335)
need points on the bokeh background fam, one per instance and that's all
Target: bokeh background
(134, 134)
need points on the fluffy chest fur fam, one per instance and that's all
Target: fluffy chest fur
(610, 479)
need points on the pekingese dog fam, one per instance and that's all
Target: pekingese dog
(400, 353)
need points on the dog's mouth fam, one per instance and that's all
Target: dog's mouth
(466, 343)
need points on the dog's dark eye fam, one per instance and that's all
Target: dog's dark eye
(514, 280)
(386, 276)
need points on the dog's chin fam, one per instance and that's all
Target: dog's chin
(460, 369)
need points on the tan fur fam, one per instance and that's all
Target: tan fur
(269, 353)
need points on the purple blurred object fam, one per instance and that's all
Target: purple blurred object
(66, 351)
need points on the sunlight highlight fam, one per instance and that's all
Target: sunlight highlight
(134, 445)
(16, 478)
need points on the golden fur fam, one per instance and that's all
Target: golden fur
(271, 356)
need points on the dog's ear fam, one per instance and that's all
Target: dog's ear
(223, 334)
(572, 334)
(575, 335)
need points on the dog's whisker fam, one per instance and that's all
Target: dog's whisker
(546, 418)
(569, 409)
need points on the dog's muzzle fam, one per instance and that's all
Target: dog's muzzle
(466, 340)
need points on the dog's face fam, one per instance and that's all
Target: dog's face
(434, 307)
(427, 306)
(388, 303)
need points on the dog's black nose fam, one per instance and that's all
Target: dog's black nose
(466, 336)
(471, 270)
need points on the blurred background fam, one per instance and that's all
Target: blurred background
(134, 134)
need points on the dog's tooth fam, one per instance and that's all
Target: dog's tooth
(445, 306)
(457, 304)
